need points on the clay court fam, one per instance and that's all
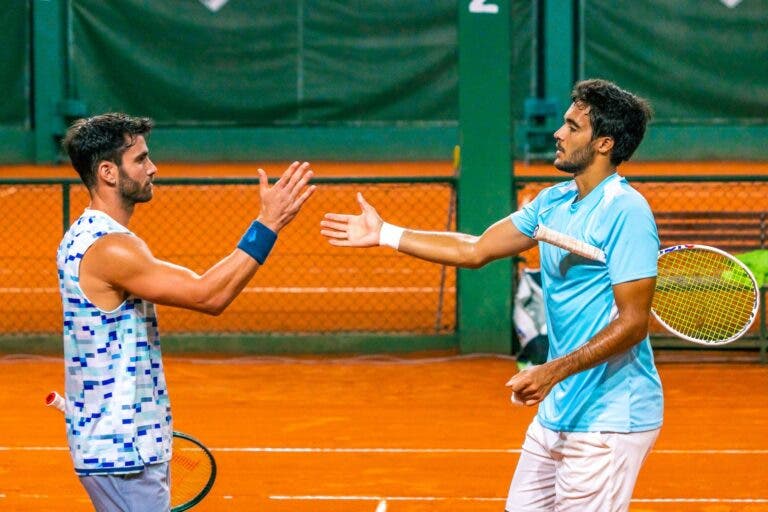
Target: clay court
(363, 381)
(401, 434)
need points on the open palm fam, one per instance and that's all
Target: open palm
(345, 230)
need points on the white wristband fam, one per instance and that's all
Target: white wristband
(390, 235)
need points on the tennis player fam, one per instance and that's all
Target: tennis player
(599, 395)
(118, 413)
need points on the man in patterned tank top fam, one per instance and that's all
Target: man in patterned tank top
(118, 414)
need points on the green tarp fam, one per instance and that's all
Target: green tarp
(697, 61)
(272, 62)
(15, 69)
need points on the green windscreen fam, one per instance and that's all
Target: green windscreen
(15, 71)
(699, 62)
(272, 62)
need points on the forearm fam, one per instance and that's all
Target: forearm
(223, 282)
(617, 337)
(455, 249)
(500, 240)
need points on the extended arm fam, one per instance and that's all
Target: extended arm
(457, 249)
(633, 301)
(121, 264)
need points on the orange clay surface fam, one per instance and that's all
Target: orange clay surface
(389, 434)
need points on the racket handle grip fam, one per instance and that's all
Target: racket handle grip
(568, 243)
(55, 400)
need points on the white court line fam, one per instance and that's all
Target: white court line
(288, 289)
(481, 498)
(28, 290)
(279, 449)
(267, 449)
(461, 450)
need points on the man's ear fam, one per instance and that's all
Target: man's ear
(107, 172)
(604, 145)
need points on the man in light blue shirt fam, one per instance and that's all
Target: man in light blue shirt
(599, 394)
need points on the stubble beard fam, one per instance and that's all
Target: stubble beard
(579, 161)
(131, 191)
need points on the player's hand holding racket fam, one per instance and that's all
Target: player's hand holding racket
(346, 230)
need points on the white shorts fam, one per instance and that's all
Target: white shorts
(577, 471)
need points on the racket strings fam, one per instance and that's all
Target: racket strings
(191, 470)
(703, 295)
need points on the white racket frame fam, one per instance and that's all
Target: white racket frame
(755, 287)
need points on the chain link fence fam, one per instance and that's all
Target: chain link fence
(309, 286)
(306, 287)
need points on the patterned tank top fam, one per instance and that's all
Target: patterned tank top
(118, 413)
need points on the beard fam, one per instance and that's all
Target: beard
(580, 159)
(132, 191)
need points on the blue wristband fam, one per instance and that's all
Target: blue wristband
(258, 241)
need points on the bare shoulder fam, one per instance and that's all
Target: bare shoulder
(115, 254)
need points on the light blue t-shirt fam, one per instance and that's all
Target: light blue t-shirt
(624, 393)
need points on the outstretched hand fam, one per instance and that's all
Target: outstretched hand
(345, 230)
(281, 202)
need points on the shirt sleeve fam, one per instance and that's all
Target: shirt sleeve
(527, 218)
(631, 243)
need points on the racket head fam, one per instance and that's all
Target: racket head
(704, 295)
(193, 471)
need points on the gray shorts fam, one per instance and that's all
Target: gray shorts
(149, 490)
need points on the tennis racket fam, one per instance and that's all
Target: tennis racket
(703, 294)
(193, 468)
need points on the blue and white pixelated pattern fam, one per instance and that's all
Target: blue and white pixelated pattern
(118, 413)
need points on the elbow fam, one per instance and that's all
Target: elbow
(213, 306)
(214, 310)
(216, 307)
(479, 262)
(637, 331)
(474, 264)
(639, 334)
(473, 258)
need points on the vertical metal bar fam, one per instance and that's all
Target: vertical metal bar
(443, 269)
(65, 205)
(484, 295)
(763, 329)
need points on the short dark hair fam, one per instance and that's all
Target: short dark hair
(614, 113)
(103, 137)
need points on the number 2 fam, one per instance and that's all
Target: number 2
(482, 7)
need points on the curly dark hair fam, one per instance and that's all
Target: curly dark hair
(614, 113)
(103, 137)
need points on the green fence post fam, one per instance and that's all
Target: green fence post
(485, 180)
(49, 57)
